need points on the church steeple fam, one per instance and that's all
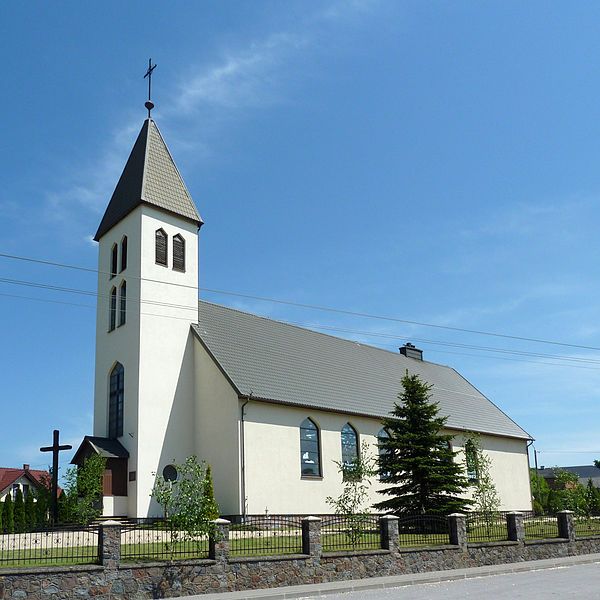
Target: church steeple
(149, 177)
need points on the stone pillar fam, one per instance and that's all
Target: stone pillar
(311, 537)
(566, 526)
(109, 544)
(218, 543)
(457, 524)
(388, 525)
(515, 526)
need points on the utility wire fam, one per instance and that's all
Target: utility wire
(317, 307)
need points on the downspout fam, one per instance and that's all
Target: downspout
(243, 456)
(537, 481)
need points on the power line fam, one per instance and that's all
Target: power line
(317, 306)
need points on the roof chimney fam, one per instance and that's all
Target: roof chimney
(25, 467)
(411, 351)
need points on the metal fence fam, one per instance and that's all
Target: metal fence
(350, 532)
(540, 527)
(260, 535)
(587, 526)
(486, 527)
(158, 539)
(423, 530)
(61, 545)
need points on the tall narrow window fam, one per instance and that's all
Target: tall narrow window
(123, 303)
(471, 460)
(382, 438)
(310, 455)
(161, 247)
(349, 445)
(124, 253)
(112, 317)
(178, 253)
(113, 260)
(115, 403)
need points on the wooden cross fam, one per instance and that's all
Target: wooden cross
(149, 104)
(55, 449)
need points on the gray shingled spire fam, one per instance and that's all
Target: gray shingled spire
(150, 177)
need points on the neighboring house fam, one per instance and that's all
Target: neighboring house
(584, 472)
(25, 479)
(269, 405)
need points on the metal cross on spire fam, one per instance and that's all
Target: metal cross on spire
(149, 104)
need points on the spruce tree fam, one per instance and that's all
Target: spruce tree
(8, 517)
(416, 460)
(209, 495)
(30, 516)
(19, 512)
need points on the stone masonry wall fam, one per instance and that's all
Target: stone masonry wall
(117, 580)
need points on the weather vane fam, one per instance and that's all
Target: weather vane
(149, 104)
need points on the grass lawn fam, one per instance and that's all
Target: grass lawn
(79, 555)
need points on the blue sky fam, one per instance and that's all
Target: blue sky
(429, 161)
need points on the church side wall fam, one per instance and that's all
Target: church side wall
(217, 429)
(166, 385)
(272, 449)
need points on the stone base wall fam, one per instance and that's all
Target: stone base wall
(161, 580)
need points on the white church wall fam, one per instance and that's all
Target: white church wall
(272, 448)
(217, 434)
(166, 383)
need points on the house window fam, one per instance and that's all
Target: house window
(112, 317)
(382, 437)
(161, 239)
(26, 490)
(115, 403)
(471, 460)
(178, 253)
(15, 490)
(124, 253)
(310, 455)
(122, 303)
(349, 445)
(113, 260)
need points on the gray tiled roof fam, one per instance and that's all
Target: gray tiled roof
(106, 447)
(583, 472)
(149, 176)
(283, 363)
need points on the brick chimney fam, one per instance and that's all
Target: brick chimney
(25, 467)
(411, 351)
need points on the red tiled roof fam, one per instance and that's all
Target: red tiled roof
(8, 476)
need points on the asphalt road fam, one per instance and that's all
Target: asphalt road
(577, 581)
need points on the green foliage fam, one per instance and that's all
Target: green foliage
(1, 514)
(540, 491)
(81, 500)
(356, 478)
(42, 500)
(417, 460)
(209, 493)
(597, 463)
(8, 516)
(188, 508)
(29, 511)
(19, 512)
(568, 494)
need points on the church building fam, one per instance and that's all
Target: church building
(270, 406)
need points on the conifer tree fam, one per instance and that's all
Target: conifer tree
(30, 517)
(417, 460)
(8, 517)
(19, 512)
(209, 494)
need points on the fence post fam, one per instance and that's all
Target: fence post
(515, 526)
(311, 537)
(109, 544)
(388, 526)
(218, 542)
(566, 527)
(457, 523)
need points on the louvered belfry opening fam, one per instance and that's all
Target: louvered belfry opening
(112, 317)
(161, 247)
(178, 253)
(124, 253)
(113, 260)
(123, 304)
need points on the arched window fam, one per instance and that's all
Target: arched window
(115, 403)
(112, 316)
(310, 453)
(113, 260)
(124, 253)
(382, 437)
(349, 445)
(471, 460)
(123, 303)
(161, 240)
(178, 253)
